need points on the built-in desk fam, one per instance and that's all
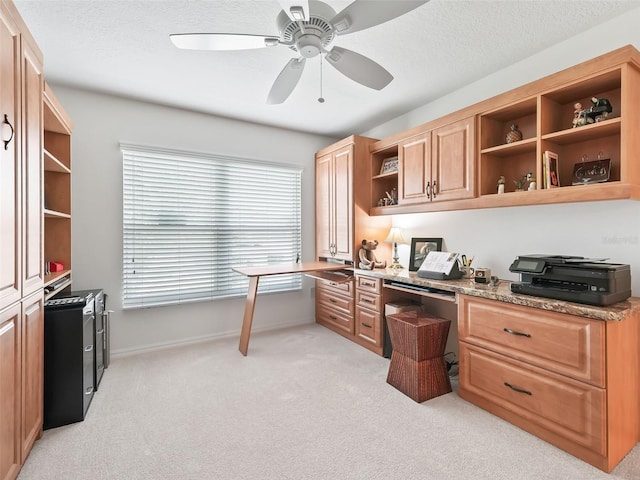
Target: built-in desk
(566, 372)
(502, 293)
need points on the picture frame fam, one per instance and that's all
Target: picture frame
(550, 165)
(420, 247)
(389, 165)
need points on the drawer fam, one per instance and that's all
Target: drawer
(561, 343)
(345, 288)
(369, 325)
(369, 300)
(369, 284)
(333, 301)
(340, 320)
(539, 399)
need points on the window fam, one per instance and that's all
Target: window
(188, 218)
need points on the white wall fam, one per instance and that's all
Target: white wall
(100, 123)
(496, 236)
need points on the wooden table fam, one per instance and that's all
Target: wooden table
(254, 274)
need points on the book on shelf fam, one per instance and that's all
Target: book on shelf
(551, 178)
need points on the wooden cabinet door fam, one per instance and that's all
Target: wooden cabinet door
(32, 171)
(324, 205)
(10, 390)
(453, 169)
(414, 169)
(10, 171)
(32, 370)
(343, 203)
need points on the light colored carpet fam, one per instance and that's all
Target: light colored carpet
(304, 404)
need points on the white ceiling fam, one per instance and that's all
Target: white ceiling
(123, 47)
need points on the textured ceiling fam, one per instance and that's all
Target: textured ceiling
(123, 47)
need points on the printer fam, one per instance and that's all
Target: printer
(570, 278)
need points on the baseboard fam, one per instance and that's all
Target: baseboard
(201, 339)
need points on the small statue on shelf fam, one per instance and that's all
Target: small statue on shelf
(600, 109)
(514, 135)
(532, 181)
(501, 181)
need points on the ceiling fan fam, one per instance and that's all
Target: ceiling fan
(308, 27)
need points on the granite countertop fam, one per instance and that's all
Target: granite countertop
(502, 292)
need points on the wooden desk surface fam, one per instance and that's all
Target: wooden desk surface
(254, 274)
(292, 267)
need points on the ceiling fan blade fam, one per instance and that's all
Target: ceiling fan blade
(359, 68)
(222, 41)
(286, 81)
(362, 14)
(296, 9)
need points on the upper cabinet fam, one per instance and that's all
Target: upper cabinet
(442, 167)
(343, 193)
(57, 193)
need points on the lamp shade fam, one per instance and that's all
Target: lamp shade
(396, 235)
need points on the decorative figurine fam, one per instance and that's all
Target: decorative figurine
(501, 181)
(514, 135)
(599, 110)
(578, 115)
(532, 181)
(368, 260)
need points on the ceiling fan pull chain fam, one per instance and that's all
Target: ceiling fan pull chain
(321, 98)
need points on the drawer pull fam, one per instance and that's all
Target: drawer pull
(368, 300)
(332, 300)
(332, 317)
(88, 391)
(368, 284)
(366, 325)
(88, 348)
(513, 332)
(516, 389)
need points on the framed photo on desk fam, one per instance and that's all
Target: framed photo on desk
(420, 247)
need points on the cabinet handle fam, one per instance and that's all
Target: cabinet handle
(100, 332)
(366, 325)
(88, 391)
(427, 190)
(434, 189)
(332, 300)
(367, 284)
(513, 332)
(88, 348)
(332, 317)
(8, 141)
(368, 300)
(516, 389)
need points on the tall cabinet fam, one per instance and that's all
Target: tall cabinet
(21, 256)
(343, 194)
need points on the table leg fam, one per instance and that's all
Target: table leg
(248, 315)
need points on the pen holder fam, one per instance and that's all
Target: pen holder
(467, 272)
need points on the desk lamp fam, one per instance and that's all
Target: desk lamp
(396, 236)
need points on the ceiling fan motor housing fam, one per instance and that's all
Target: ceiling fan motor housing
(308, 37)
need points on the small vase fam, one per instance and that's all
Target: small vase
(514, 135)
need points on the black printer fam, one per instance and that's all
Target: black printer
(570, 278)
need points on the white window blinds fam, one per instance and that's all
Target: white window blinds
(188, 218)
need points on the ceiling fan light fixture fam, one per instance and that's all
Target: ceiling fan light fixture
(271, 42)
(297, 13)
(342, 25)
